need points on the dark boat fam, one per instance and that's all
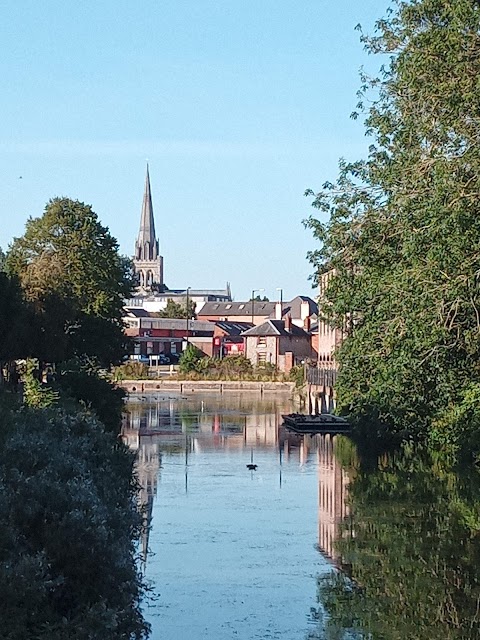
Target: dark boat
(321, 423)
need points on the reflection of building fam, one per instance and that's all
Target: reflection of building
(332, 494)
(147, 467)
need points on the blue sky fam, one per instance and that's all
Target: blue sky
(238, 106)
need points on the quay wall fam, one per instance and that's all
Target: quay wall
(198, 386)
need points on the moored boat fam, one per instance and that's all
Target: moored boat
(321, 423)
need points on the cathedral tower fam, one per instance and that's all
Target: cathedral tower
(147, 261)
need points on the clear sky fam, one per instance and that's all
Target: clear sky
(238, 105)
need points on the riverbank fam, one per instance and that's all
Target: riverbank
(195, 386)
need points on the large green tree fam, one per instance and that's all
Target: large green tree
(403, 236)
(70, 270)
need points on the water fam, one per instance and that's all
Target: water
(234, 553)
(323, 540)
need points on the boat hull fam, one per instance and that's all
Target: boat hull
(322, 423)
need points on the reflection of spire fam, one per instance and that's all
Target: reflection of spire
(332, 494)
(147, 467)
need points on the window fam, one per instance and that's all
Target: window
(261, 341)
(262, 357)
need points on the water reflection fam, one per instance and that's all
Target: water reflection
(198, 447)
(414, 558)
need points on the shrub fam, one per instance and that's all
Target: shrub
(68, 531)
(95, 392)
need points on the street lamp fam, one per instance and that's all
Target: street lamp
(281, 302)
(187, 312)
(254, 291)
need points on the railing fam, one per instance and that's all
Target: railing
(322, 377)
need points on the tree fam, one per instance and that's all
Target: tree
(70, 270)
(176, 310)
(15, 322)
(403, 236)
(190, 359)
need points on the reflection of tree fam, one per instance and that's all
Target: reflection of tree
(415, 555)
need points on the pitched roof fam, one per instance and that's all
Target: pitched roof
(137, 312)
(237, 308)
(233, 328)
(275, 328)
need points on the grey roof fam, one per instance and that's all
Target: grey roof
(137, 312)
(233, 328)
(275, 328)
(176, 323)
(237, 308)
(146, 246)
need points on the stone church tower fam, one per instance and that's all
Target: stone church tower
(147, 261)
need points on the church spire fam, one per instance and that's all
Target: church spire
(146, 247)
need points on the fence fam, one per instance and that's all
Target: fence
(322, 377)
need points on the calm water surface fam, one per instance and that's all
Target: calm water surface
(232, 553)
(325, 540)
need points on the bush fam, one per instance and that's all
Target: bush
(68, 531)
(130, 370)
(95, 392)
(191, 359)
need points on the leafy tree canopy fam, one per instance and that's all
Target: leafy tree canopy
(403, 237)
(177, 310)
(69, 268)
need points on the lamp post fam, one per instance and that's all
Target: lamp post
(187, 313)
(254, 291)
(281, 302)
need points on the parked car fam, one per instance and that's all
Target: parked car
(138, 358)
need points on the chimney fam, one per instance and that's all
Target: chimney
(304, 310)
(288, 323)
(278, 311)
(306, 324)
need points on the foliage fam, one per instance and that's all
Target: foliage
(69, 525)
(70, 270)
(403, 238)
(176, 310)
(131, 370)
(89, 387)
(15, 320)
(36, 394)
(191, 359)
(412, 563)
(257, 298)
(297, 375)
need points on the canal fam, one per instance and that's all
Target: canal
(323, 540)
(231, 553)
